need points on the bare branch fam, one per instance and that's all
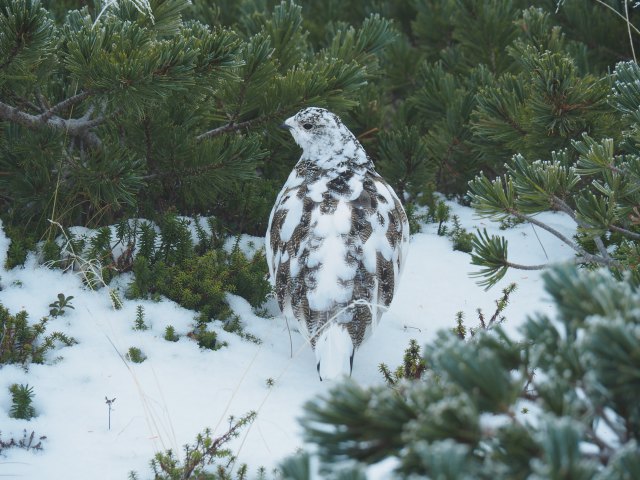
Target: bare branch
(65, 103)
(546, 227)
(14, 115)
(561, 205)
(76, 127)
(230, 127)
(584, 255)
(518, 266)
(624, 231)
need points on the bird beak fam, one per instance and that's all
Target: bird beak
(285, 126)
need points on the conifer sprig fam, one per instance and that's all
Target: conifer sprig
(475, 404)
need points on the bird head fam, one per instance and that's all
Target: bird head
(323, 137)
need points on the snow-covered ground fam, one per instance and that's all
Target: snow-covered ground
(179, 390)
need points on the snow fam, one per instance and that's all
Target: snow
(179, 390)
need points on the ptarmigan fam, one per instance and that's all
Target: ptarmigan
(336, 241)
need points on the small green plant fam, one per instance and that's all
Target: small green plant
(200, 456)
(58, 307)
(462, 240)
(197, 277)
(170, 334)
(51, 252)
(135, 355)
(116, 301)
(460, 329)
(270, 382)
(234, 325)
(415, 220)
(206, 338)
(21, 402)
(483, 324)
(139, 322)
(22, 243)
(510, 222)
(25, 443)
(412, 368)
(22, 343)
(440, 215)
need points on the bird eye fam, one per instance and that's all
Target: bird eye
(307, 126)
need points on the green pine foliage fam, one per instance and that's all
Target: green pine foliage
(170, 107)
(23, 343)
(136, 111)
(206, 339)
(440, 214)
(21, 402)
(594, 181)
(470, 415)
(131, 111)
(462, 240)
(201, 282)
(463, 332)
(21, 244)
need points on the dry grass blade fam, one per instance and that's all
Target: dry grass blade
(142, 6)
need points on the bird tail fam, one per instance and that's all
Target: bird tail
(334, 352)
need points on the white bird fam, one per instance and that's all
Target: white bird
(336, 241)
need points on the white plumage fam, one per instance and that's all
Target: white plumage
(336, 241)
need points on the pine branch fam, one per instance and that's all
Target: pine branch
(200, 170)
(64, 104)
(491, 252)
(518, 266)
(76, 127)
(585, 256)
(562, 205)
(624, 231)
(544, 226)
(232, 127)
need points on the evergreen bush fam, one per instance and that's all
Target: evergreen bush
(170, 107)
(594, 182)
(559, 402)
(121, 112)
